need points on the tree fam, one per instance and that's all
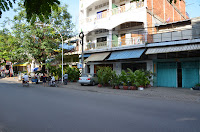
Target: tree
(39, 41)
(34, 8)
(10, 49)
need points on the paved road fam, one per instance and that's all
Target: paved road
(45, 109)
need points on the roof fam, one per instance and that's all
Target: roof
(173, 49)
(98, 56)
(126, 54)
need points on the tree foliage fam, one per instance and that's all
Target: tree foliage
(35, 41)
(34, 8)
(10, 48)
(40, 39)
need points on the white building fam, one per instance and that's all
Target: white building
(116, 31)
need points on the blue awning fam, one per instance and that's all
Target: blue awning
(85, 55)
(66, 46)
(127, 54)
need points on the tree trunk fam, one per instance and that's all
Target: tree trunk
(43, 66)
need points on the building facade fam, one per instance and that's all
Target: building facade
(122, 33)
(176, 54)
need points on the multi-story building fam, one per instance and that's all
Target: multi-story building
(175, 53)
(117, 31)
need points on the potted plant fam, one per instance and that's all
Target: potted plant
(107, 75)
(141, 79)
(100, 76)
(131, 79)
(123, 78)
(196, 87)
(115, 80)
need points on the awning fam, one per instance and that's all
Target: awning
(127, 54)
(173, 49)
(85, 55)
(21, 64)
(97, 56)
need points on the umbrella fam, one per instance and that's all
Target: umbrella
(35, 69)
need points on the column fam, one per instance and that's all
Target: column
(110, 4)
(117, 67)
(150, 68)
(91, 68)
(110, 39)
(110, 8)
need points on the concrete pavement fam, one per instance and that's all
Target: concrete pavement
(176, 94)
(68, 109)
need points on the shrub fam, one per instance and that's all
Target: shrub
(123, 78)
(115, 79)
(131, 77)
(142, 78)
(100, 75)
(104, 75)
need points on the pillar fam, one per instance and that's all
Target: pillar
(110, 39)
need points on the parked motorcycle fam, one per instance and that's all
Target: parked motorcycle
(53, 84)
(25, 83)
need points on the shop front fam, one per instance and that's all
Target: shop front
(184, 73)
(176, 66)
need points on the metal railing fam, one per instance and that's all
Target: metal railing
(144, 38)
(114, 11)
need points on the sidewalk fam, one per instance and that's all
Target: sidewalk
(176, 94)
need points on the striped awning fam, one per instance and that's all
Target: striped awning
(173, 49)
(21, 64)
(127, 54)
(97, 57)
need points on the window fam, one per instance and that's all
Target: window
(102, 39)
(101, 31)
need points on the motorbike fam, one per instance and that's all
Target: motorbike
(53, 84)
(25, 83)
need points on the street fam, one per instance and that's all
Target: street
(51, 109)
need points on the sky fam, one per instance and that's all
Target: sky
(192, 8)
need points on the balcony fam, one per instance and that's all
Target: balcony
(99, 45)
(172, 38)
(96, 19)
(116, 43)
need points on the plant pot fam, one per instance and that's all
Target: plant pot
(125, 87)
(116, 87)
(133, 87)
(99, 85)
(140, 88)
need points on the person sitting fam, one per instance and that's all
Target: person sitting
(25, 78)
(52, 79)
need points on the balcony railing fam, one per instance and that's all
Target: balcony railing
(117, 10)
(144, 38)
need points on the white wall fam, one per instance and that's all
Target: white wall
(117, 66)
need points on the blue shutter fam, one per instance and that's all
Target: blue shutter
(190, 74)
(167, 74)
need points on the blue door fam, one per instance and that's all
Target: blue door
(190, 74)
(167, 74)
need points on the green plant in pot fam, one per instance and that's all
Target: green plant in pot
(131, 79)
(123, 77)
(141, 79)
(100, 76)
(113, 77)
(107, 75)
(115, 80)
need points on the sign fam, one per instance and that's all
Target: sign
(79, 66)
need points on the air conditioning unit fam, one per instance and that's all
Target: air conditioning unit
(90, 9)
